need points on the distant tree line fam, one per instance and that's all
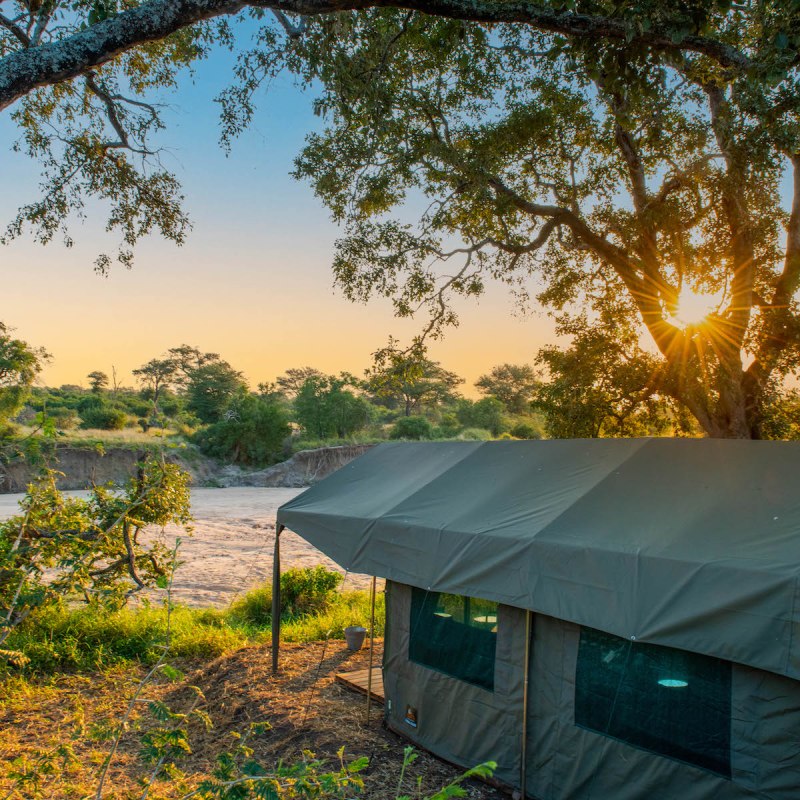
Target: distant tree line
(403, 394)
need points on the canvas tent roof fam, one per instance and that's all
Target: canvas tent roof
(691, 543)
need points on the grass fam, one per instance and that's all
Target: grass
(82, 639)
(126, 437)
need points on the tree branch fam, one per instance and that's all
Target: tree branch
(735, 208)
(53, 62)
(15, 30)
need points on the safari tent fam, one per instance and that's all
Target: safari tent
(606, 619)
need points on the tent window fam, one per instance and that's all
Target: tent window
(455, 635)
(664, 700)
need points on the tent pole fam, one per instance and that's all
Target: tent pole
(276, 599)
(524, 749)
(371, 646)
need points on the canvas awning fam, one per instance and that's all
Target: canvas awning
(691, 543)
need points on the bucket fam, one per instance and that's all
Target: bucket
(354, 636)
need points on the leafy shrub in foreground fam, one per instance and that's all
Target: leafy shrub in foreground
(308, 590)
(304, 591)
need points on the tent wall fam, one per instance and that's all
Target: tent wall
(467, 725)
(567, 761)
(457, 721)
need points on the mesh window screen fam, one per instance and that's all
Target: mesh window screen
(455, 635)
(664, 700)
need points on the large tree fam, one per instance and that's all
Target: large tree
(211, 388)
(325, 407)
(621, 153)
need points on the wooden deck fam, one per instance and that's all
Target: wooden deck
(359, 680)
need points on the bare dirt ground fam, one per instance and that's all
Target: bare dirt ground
(230, 550)
(303, 706)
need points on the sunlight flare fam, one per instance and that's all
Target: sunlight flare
(694, 307)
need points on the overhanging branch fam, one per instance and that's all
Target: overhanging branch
(43, 65)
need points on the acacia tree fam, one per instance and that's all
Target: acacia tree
(155, 377)
(98, 381)
(620, 153)
(409, 378)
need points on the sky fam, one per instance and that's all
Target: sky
(253, 282)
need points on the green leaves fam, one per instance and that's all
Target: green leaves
(62, 548)
(101, 10)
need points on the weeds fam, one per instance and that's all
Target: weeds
(60, 638)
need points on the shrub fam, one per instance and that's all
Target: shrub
(252, 433)
(526, 430)
(306, 590)
(475, 434)
(411, 428)
(449, 426)
(65, 419)
(253, 608)
(103, 417)
(488, 413)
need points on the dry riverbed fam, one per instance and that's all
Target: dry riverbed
(230, 550)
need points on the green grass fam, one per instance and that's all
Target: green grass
(127, 437)
(82, 639)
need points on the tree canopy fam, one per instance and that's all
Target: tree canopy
(607, 158)
(20, 363)
(513, 385)
(409, 378)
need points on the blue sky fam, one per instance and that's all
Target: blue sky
(253, 282)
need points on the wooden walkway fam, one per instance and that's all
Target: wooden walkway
(359, 680)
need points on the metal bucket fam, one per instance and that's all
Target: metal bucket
(354, 636)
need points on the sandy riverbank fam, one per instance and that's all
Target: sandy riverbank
(231, 548)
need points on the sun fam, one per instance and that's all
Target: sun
(694, 307)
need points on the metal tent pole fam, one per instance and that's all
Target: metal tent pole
(524, 749)
(371, 646)
(276, 599)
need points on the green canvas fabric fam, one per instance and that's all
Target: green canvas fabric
(570, 762)
(459, 721)
(688, 543)
(566, 760)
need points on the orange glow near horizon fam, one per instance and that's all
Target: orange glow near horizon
(264, 311)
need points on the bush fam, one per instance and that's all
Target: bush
(475, 434)
(254, 608)
(411, 428)
(488, 413)
(526, 430)
(65, 419)
(252, 433)
(304, 591)
(449, 426)
(307, 590)
(103, 417)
